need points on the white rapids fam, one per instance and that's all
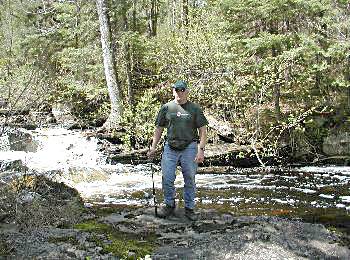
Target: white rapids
(76, 159)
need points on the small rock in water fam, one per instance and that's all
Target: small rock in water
(88, 205)
(148, 195)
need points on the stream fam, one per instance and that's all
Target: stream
(73, 158)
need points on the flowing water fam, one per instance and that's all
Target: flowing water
(75, 159)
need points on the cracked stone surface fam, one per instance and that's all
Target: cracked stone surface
(224, 236)
(213, 236)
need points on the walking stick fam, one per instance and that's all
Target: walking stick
(153, 188)
(154, 191)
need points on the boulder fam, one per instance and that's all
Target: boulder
(22, 141)
(63, 113)
(337, 144)
(3, 103)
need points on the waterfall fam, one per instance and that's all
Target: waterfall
(57, 149)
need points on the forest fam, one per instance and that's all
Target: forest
(276, 72)
(81, 83)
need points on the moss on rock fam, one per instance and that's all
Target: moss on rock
(123, 245)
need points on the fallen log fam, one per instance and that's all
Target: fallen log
(13, 112)
(212, 152)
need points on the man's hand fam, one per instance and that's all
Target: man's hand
(151, 152)
(202, 141)
(153, 145)
(200, 156)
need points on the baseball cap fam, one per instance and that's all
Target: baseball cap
(180, 84)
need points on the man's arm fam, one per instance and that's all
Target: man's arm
(202, 142)
(156, 137)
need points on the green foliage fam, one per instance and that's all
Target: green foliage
(51, 50)
(90, 105)
(316, 131)
(234, 53)
(139, 122)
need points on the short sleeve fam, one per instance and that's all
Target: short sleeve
(201, 120)
(161, 117)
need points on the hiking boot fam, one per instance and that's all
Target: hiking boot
(166, 211)
(190, 214)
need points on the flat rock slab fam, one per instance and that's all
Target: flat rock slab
(224, 236)
(213, 236)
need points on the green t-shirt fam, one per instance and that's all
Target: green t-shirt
(182, 123)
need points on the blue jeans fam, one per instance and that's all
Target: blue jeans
(170, 160)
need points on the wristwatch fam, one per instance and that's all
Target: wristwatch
(202, 148)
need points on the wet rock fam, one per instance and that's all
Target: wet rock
(30, 126)
(13, 166)
(42, 117)
(21, 141)
(114, 138)
(3, 216)
(50, 119)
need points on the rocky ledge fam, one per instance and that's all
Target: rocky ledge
(43, 219)
(213, 236)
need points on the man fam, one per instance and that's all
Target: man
(186, 126)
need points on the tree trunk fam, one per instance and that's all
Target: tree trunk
(129, 76)
(153, 17)
(258, 100)
(276, 88)
(348, 80)
(134, 24)
(185, 17)
(77, 22)
(318, 74)
(273, 29)
(109, 66)
(173, 14)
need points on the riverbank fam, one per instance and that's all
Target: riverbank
(51, 221)
(299, 149)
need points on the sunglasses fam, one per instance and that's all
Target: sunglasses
(180, 89)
